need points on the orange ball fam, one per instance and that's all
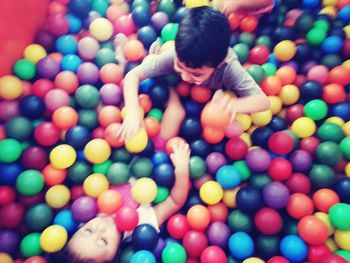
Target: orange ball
(324, 199)
(171, 142)
(152, 126)
(198, 217)
(333, 93)
(213, 135)
(183, 89)
(53, 176)
(145, 102)
(286, 75)
(201, 94)
(234, 20)
(108, 115)
(312, 230)
(111, 73)
(248, 23)
(299, 205)
(133, 50)
(271, 85)
(109, 201)
(218, 212)
(67, 81)
(110, 135)
(65, 117)
(339, 75)
(212, 117)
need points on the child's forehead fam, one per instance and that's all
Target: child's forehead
(183, 66)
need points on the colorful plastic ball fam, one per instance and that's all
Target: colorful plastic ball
(211, 192)
(143, 256)
(34, 157)
(53, 238)
(62, 156)
(145, 236)
(84, 208)
(109, 201)
(341, 110)
(178, 226)
(281, 143)
(228, 177)
(88, 47)
(126, 218)
(34, 52)
(293, 248)
(194, 242)
(30, 182)
(12, 215)
(138, 142)
(333, 93)
(213, 254)
(285, 50)
(258, 160)
(312, 230)
(329, 131)
(289, 94)
(339, 75)
(268, 221)
(332, 258)
(65, 117)
(66, 45)
(303, 127)
(262, 118)
(332, 44)
(338, 214)
(65, 218)
(241, 245)
(278, 259)
(329, 153)
(124, 24)
(316, 109)
(276, 195)
(97, 151)
(10, 87)
(318, 73)
(144, 190)
(280, 169)
(299, 205)
(24, 69)
(301, 161)
(9, 241)
(286, 74)
(7, 195)
(19, 128)
(56, 98)
(47, 68)
(78, 136)
(101, 29)
(57, 196)
(173, 253)
(95, 184)
(71, 62)
(218, 234)
(111, 74)
(198, 217)
(47, 134)
(236, 148)
(322, 176)
(249, 199)
(30, 245)
(38, 217)
(259, 54)
(32, 107)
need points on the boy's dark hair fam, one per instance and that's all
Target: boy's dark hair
(203, 38)
(68, 256)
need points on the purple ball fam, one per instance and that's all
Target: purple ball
(218, 234)
(48, 68)
(214, 161)
(111, 94)
(9, 241)
(88, 73)
(291, 64)
(157, 252)
(34, 157)
(258, 160)
(84, 208)
(91, 16)
(44, 38)
(276, 195)
(307, 66)
(8, 109)
(159, 20)
(301, 161)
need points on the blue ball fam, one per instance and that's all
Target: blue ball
(200, 148)
(78, 136)
(66, 45)
(163, 175)
(332, 44)
(180, 14)
(143, 256)
(293, 248)
(75, 23)
(81, 155)
(71, 62)
(191, 128)
(141, 16)
(147, 35)
(80, 8)
(341, 110)
(145, 237)
(310, 4)
(192, 108)
(65, 218)
(32, 107)
(344, 14)
(241, 245)
(160, 158)
(228, 177)
(273, 60)
(159, 95)
(249, 199)
(146, 85)
(10, 172)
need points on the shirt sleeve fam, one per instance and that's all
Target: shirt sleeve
(158, 65)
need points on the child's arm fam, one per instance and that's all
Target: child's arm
(178, 195)
(229, 6)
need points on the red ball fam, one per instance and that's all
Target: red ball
(280, 169)
(236, 148)
(126, 218)
(331, 258)
(299, 205)
(333, 93)
(34, 157)
(278, 259)
(248, 23)
(271, 85)
(313, 230)
(294, 112)
(7, 195)
(57, 24)
(47, 133)
(41, 87)
(324, 199)
(339, 75)
(281, 143)
(299, 183)
(310, 144)
(195, 242)
(178, 226)
(218, 212)
(213, 254)
(317, 252)
(11, 215)
(259, 54)
(268, 221)
(76, 192)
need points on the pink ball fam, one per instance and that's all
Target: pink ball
(213, 254)
(88, 47)
(41, 87)
(126, 218)
(214, 161)
(56, 98)
(234, 129)
(178, 226)
(8, 109)
(124, 24)
(114, 11)
(195, 242)
(34, 157)
(318, 73)
(57, 24)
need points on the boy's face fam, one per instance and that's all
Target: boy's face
(192, 75)
(98, 239)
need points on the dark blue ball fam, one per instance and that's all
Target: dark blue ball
(81, 156)
(180, 14)
(146, 85)
(342, 188)
(249, 199)
(311, 90)
(200, 148)
(193, 199)
(80, 8)
(32, 107)
(129, 66)
(147, 35)
(283, 33)
(261, 135)
(191, 129)
(278, 123)
(159, 95)
(141, 16)
(10, 172)
(160, 158)
(341, 110)
(163, 175)
(220, 146)
(145, 237)
(192, 108)
(303, 53)
(149, 149)
(78, 136)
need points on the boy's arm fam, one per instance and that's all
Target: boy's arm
(229, 6)
(178, 195)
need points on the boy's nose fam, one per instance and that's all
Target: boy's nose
(186, 77)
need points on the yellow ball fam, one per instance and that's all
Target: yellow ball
(289, 94)
(211, 192)
(245, 120)
(253, 260)
(101, 29)
(252, 129)
(329, 2)
(303, 127)
(97, 151)
(95, 184)
(137, 143)
(342, 238)
(285, 50)
(34, 52)
(53, 238)
(330, 243)
(325, 219)
(144, 190)
(246, 138)
(229, 197)
(347, 33)
(262, 118)
(63, 156)
(57, 196)
(346, 63)
(347, 169)
(275, 104)
(10, 87)
(5, 258)
(196, 3)
(346, 128)
(170, 44)
(336, 120)
(329, 10)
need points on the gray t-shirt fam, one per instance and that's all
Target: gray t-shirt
(230, 75)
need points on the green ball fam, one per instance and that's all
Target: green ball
(247, 38)
(24, 69)
(329, 153)
(126, 254)
(100, 6)
(167, 6)
(39, 217)
(156, 113)
(78, 172)
(197, 167)
(265, 41)
(30, 182)
(267, 246)
(243, 169)
(331, 61)
(269, 68)
(322, 176)
(242, 52)
(87, 96)
(88, 118)
(343, 253)
(316, 109)
(239, 221)
(141, 167)
(174, 253)
(259, 181)
(257, 72)
(315, 36)
(339, 215)
(162, 194)
(169, 31)
(102, 168)
(105, 56)
(143, 3)
(107, 44)
(329, 131)
(304, 23)
(345, 146)
(10, 150)
(322, 25)
(118, 173)
(30, 245)
(121, 155)
(19, 128)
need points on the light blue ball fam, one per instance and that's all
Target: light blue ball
(65, 218)
(143, 256)
(344, 14)
(66, 45)
(241, 245)
(75, 23)
(332, 45)
(228, 177)
(71, 62)
(146, 85)
(293, 248)
(159, 158)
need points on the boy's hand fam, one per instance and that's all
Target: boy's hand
(225, 104)
(225, 6)
(131, 124)
(181, 155)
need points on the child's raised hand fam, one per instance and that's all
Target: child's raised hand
(224, 103)
(180, 156)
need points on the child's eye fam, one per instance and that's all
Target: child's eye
(87, 232)
(102, 242)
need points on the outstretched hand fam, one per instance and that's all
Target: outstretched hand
(180, 156)
(225, 104)
(131, 124)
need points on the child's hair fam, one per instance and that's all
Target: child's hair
(203, 38)
(67, 255)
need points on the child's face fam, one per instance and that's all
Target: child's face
(98, 239)
(192, 75)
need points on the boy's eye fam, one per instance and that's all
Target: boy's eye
(197, 75)
(87, 232)
(102, 242)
